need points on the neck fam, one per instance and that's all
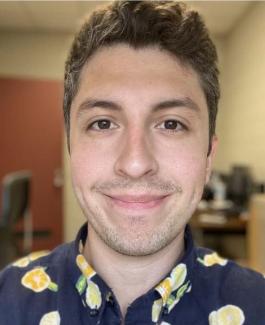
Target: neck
(131, 276)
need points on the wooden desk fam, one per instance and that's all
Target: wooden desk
(227, 238)
(231, 225)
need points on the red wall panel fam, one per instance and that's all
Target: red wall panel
(31, 132)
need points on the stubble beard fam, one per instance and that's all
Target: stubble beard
(134, 241)
(136, 238)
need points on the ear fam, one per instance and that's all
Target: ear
(210, 157)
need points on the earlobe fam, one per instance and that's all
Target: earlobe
(210, 157)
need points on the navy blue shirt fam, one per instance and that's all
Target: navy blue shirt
(62, 288)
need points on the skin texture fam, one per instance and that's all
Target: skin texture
(138, 174)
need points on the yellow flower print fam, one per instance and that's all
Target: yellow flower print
(35, 255)
(52, 318)
(93, 295)
(165, 289)
(24, 261)
(172, 283)
(174, 299)
(171, 290)
(38, 280)
(156, 309)
(212, 259)
(227, 315)
(178, 276)
(86, 269)
(84, 283)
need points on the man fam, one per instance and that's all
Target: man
(141, 94)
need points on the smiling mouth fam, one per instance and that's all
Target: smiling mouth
(137, 202)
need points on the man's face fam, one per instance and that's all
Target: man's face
(139, 142)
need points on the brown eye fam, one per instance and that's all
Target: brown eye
(101, 125)
(172, 124)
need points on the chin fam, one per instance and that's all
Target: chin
(137, 241)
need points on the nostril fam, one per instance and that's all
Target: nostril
(136, 164)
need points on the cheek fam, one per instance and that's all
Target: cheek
(186, 164)
(88, 164)
(194, 171)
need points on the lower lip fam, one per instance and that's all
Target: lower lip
(138, 205)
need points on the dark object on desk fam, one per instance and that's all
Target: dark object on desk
(240, 186)
(207, 193)
(15, 206)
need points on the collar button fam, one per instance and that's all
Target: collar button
(110, 299)
(93, 312)
(165, 311)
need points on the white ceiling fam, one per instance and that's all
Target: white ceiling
(65, 16)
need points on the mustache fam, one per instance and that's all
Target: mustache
(159, 185)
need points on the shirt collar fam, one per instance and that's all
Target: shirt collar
(178, 282)
(169, 291)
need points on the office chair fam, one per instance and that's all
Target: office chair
(15, 206)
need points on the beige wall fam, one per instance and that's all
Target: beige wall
(242, 110)
(36, 55)
(73, 215)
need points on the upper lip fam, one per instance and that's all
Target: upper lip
(143, 198)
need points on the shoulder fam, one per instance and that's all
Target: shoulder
(41, 259)
(38, 258)
(212, 264)
(229, 284)
(32, 277)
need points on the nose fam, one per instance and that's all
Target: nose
(137, 157)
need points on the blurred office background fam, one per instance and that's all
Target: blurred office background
(34, 40)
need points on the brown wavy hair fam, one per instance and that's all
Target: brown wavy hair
(166, 24)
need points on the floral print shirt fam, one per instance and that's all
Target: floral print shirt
(61, 288)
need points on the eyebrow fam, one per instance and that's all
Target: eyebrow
(178, 102)
(113, 106)
(97, 103)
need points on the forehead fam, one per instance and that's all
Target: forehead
(120, 72)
